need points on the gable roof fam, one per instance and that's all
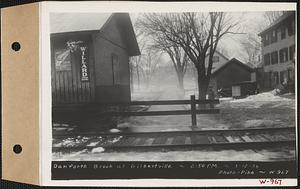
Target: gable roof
(218, 52)
(76, 22)
(222, 66)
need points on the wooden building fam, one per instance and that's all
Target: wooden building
(90, 57)
(278, 52)
(224, 75)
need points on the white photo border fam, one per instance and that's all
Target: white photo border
(108, 6)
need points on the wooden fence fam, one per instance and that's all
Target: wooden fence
(192, 102)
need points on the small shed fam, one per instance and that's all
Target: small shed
(226, 74)
(90, 57)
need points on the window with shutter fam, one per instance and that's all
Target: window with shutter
(274, 57)
(283, 55)
(283, 33)
(267, 59)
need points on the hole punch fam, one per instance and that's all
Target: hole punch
(17, 148)
(16, 46)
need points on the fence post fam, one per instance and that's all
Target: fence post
(193, 111)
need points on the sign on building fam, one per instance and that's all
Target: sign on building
(62, 60)
(84, 64)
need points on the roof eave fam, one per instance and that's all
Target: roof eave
(230, 62)
(133, 47)
(271, 26)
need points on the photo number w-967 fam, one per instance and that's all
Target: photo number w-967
(270, 181)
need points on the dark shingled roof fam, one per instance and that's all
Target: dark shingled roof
(219, 67)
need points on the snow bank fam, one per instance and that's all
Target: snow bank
(93, 143)
(114, 140)
(114, 131)
(267, 96)
(71, 142)
(97, 150)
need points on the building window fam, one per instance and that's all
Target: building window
(292, 52)
(270, 79)
(274, 57)
(215, 59)
(276, 78)
(283, 77)
(263, 38)
(274, 36)
(290, 74)
(283, 34)
(267, 59)
(283, 55)
(116, 70)
(266, 39)
(291, 28)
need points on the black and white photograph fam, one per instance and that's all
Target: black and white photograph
(173, 87)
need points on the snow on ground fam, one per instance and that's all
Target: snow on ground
(261, 110)
(71, 142)
(259, 100)
(266, 96)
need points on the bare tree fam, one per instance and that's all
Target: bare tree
(135, 61)
(252, 47)
(271, 16)
(224, 51)
(149, 64)
(198, 34)
(146, 64)
(179, 58)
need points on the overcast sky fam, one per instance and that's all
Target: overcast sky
(250, 22)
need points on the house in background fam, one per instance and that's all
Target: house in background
(218, 59)
(224, 75)
(278, 51)
(90, 57)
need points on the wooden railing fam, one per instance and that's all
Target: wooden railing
(192, 102)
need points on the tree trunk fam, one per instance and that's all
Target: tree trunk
(202, 87)
(138, 76)
(180, 78)
(180, 83)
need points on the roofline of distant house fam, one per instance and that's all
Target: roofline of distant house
(220, 54)
(277, 22)
(230, 62)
